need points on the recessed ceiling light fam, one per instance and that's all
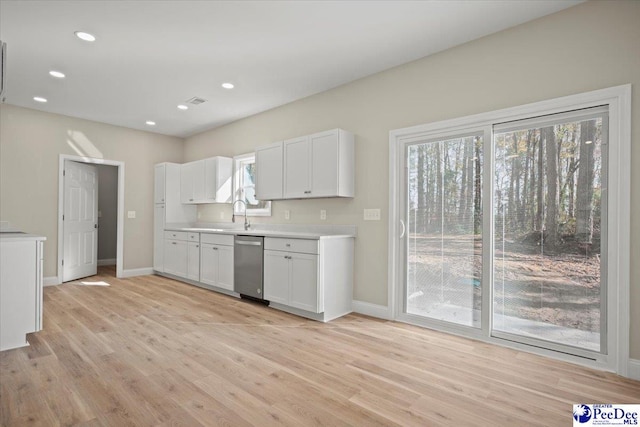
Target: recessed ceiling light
(57, 74)
(85, 36)
(227, 85)
(150, 123)
(182, 107)
(39, 99)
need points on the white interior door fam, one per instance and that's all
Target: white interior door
(80, 221)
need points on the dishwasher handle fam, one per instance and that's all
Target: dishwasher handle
(248, 243)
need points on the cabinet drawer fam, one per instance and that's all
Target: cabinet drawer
(194, 237)
(217, 239)
(176, 235)
(291, 245)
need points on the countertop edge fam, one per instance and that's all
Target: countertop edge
(263, 233)
(19, 237)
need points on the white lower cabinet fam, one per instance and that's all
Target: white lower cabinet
(312, 278)
(20, 290)
(182, 254)
(216, 261)
(176, 257)
(193, 261)
(276, 276)
(292, 279)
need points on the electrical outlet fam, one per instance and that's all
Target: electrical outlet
(323, 214)
(221, 215)
(199, 214)
(372, 214)
(131, 214)
(287, 214)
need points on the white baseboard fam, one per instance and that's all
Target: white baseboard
(373, 310)
(110, 261)
(634, 369)
(50, 281)
(137, 272)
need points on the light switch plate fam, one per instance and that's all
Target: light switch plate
(372, 214)
(131, 214)
(99, 214)
(287, 214)
(323, 214)
(221, 215)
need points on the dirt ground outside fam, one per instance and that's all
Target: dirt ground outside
(561, 289)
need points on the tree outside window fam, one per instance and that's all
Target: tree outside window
(244, 185)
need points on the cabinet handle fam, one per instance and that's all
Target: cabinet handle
(197, 246)
(288, 245)
(191, 200)
(215, 248)
(173, 243)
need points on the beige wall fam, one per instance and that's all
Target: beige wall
(30, 144)
(107, 211)
(591, 46)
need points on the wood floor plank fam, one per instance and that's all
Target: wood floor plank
(153, 351)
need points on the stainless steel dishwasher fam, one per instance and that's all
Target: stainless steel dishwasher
(248, 268)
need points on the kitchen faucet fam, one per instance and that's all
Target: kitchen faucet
(233, 216)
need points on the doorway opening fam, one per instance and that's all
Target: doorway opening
(80, 200)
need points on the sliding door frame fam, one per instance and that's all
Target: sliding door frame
(618, 101)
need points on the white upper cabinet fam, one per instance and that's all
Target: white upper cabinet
(319, 165)
(159, 187)
(297, 168)
(206, 181)
(269, 172)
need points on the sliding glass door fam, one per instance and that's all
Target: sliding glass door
(506, 231)
(550, 231)
(444, 265)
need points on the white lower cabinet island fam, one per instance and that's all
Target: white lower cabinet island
(20, 288)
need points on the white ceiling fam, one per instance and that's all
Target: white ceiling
(150, 56)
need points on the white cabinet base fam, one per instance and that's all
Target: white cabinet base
(20, 290)
(331, 279)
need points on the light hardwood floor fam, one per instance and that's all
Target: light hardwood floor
(152, 351)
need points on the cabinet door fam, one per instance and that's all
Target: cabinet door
(297, 168)
(209, 264)
(187, 177)
(324, 164)
(159, 184)
(177, 258)
(210, 179)
(269, 172)
(199, 180)
(303, 282)
(170, 251)
(158, 237)
(225, 267)
(276, 276)
(193, 261)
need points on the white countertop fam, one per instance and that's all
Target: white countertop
(16, 236)
(294, 232)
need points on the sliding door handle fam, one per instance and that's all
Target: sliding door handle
(404, 229)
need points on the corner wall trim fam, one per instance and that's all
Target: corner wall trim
(373, 310)
(137, 272)
(110, 261)
(50, 281)
(634, 369)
